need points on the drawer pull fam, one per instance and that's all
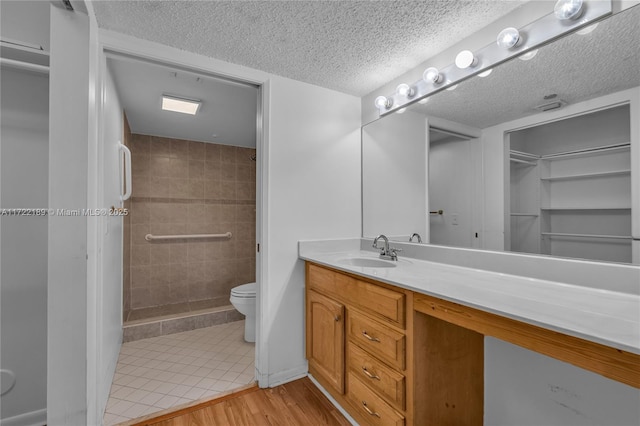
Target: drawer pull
(337, 318)
(368, 410)
(368, 374)
(373, 339)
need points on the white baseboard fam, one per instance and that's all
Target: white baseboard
(287, 376)
(333, 401)
(33, 418)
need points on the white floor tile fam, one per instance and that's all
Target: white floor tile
(165, 388)
(120, 407)
(167, 371)
(194, 393)
(122, 393)
(191, 381)
(152, 398)
(220, 385)
(166, 402)
(136, 410)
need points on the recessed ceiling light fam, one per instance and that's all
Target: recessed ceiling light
(184, 106)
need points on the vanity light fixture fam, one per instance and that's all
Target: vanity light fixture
(567, 16)
(405, 90)
(568, 10)
(181, 105)
(509, 38)
(432, 75)
(383, 102)
(466, 59)
(529, 55)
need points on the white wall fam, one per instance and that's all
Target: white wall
(394, 190)
(24, 154)
(68, 170)
(26, 21)
(525, 388)
(313, 193)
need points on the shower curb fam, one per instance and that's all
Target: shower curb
(162, 326)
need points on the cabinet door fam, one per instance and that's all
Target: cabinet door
(325, 339)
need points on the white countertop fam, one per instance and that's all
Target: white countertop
(608, 317)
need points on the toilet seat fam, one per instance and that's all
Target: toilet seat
(245, 291)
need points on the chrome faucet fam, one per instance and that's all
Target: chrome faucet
(415, 234)
(386, 252)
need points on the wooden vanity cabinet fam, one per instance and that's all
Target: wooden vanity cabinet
(386, 363)
(361, 358)
(325, 339)
(390, 356)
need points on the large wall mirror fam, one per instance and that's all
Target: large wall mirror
(535, 157)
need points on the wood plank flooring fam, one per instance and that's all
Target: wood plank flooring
(294, 403)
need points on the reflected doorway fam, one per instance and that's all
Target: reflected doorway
(451, 183)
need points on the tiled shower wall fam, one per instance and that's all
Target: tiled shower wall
(186, 187)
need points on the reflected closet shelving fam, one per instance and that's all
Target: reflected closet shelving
(571, 187)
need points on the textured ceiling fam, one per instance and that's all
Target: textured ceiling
(350, 46)
(575, 68)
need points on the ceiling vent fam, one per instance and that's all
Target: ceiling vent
(551, 106)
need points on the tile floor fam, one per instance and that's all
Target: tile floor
(166, 371)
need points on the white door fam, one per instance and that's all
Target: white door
(451, 181)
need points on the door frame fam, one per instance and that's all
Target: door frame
(119, 44)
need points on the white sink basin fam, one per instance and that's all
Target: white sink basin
(367, 262)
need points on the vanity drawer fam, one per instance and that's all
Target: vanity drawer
(386, 381)
(377, 339)
(370, 406)
(377, 300)
(321, 278)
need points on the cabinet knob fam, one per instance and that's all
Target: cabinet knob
(371, 338)
(368, 410)
(337, 318)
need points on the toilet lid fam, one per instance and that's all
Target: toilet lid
(244, 290)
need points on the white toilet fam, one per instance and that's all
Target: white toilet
(243, 298)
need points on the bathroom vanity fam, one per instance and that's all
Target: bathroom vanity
(403, 342)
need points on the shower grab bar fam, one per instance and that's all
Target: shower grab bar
(150, 237)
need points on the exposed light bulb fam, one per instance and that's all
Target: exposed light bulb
(529, 55)
(432, 75)
(383, 102)
(508, 38)
(405, 90)
(587, 30)
(401, 110)
(486, 73)
(466, 59)
(567, 10)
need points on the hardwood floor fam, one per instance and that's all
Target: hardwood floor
(295, 403)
